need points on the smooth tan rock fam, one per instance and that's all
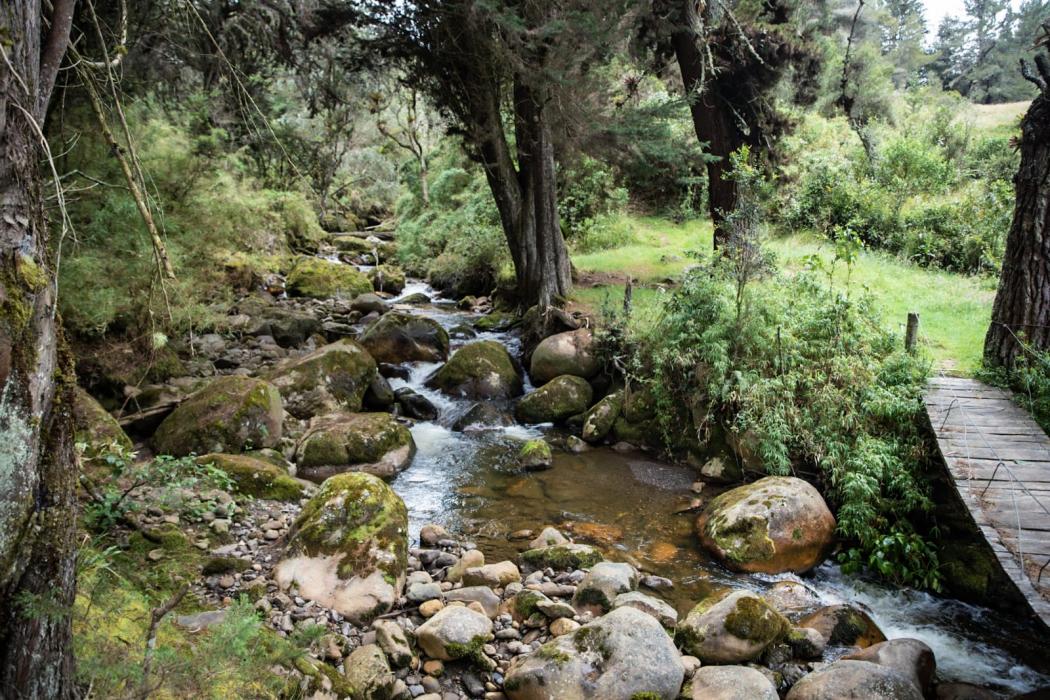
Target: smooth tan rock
(732, 683)
(912, 658)
(564, 353)
(844, 626)
(855, 680)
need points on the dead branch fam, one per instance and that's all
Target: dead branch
(156, 615)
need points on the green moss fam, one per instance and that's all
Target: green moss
(646, 695)
(752, 619)
(525, 603)
(551, 652)
(497, 321)
(556, 400)
(95, 426)
(593, 596)
(359, 438)
(591, 638)
(744, 540)
(561, 558)
(32, 275)
(472, 650)
(256, 478)
(323, 279)
(387, 278)
(224, 565)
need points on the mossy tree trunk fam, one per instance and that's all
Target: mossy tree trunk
(37, 465)
(1021, 314)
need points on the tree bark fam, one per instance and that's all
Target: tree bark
(1021, 314)
(37, 465)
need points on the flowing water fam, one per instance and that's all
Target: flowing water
(625, 503)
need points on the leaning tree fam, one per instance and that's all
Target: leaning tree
(37, 465)
(1021, 314)
(501, 71)
(732, 57)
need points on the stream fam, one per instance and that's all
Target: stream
(624, 503)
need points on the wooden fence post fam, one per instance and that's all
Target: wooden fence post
(911, 332)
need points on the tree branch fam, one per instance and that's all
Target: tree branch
(52, 53)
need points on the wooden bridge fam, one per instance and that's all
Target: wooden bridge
(999, 461)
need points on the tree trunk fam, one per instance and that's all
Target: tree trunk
(714, 126)
(1021, 314)
(37, 465)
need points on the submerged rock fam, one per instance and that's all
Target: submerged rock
(323, 279)
(332, 378)
(624, 655)
(481, 370)
(230, 414)
(774, 525)
(556, 400)
(348, 549)
(374, 443)
(854, 680)
(733, 629)
(564, 353)
(398, 337)
(256, 477)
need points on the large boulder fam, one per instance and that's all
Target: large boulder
(482, 370)
(374, 443)
(348, 550)
(230, 414)
(855, 680)
(912, 658)
(256, 477)
(623, 655)
(324, 279)
(733, 629)
(774, 525)
(844, 626)
(599, 419)
(398, 337)
(288, 327)
(564, 353)
(556, 400)
(94, 425)
(455, 632)
(732, 683)
(332, 378)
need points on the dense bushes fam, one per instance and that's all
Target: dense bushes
(206, 207)
(934, 193)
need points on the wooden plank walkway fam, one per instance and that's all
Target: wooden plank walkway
(999, 461)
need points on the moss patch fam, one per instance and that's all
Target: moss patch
(255, 477)
(752, 619)
(561, 557)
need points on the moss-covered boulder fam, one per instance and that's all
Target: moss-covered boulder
(368, 674)
(387, 278)
(731, 629)
(374, 443)
(324, 279)
(230, 414)
(599, 419)
(497, 321)
(535, 455)
(555, 401)
(94, 425)
(571, 352)
(625, 655)
(482, 370)
(348, 550)
(398, 337)
(560, 557)
(256, 477)
(332, 378)
(773, 525)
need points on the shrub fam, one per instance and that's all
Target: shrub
(586, 192)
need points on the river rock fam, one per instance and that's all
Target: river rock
(558, 399)
(368, 674)
(560, 557)
(733, 629)
(323, 279)
(456, 632)
(495, 575)
(392, 640)
(481, 416)
(363, 442)
(535, 455)
(844, 626)
(623, 655)
(397, 337)
(481, 370)
(370, 303)
(564, 353)
(348, 549)
(230, 414)
(380, 396)
(415, 405)
(722, 469)
(792, 598)
(603, 583)
(664, 613)
(94, 425)
(332, 378)
(289, 328)
(482, 595)
(256, 477)
(548, 536)
(470, 559)
(855, 680)
(910, 657)
(387, 278)
(773, 525)
(599, 419)
(732, 683)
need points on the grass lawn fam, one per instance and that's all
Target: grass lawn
(953, 309)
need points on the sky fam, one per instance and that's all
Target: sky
(936, 10)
